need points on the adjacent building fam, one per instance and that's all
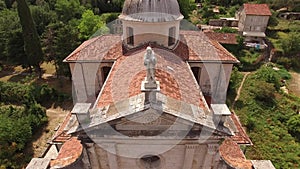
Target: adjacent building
(253, 21)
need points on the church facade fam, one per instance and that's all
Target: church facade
(151, 98)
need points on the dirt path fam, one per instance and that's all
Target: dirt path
(240, 88)
(294, 84)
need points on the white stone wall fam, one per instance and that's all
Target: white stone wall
(87, 80)
(242, 18)
(154, 32)
(252, 23)
(181, 156)
(256, 23)
(214, 79)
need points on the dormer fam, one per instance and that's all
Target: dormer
(150, 21)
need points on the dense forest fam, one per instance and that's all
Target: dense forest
(33, 32)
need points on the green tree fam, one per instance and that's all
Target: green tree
(2, 5)
(105, 6)
(68, 9)
(294, 126)
(55, 46)
(91, 24)
(263, 92)
(32, 45)
(186, 7)
(9, 27)
(269, 75)
(291, 44)
(15, 49)
(42, 16)
(273, 21)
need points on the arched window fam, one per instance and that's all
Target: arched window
(197, 73)
(130, 37)
(105, 72)
(171, 40)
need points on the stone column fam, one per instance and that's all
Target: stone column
(112, 157)
(212, 149)
(92, 155)
(86, 160)
(189, 156)
(216, 160)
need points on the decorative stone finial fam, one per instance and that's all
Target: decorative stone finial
(150, 62)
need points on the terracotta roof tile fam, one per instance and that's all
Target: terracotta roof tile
(61, 135)
(241, 136)
(257, 9)
(223, 38)
(193, 46)
(99, 48)
(233, 155)
(70, 151)
(201, 48)
(176, 80)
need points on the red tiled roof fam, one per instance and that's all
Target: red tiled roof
(61, 135)
(241, 136)
(201, 48)
(223, 38)
(257, 9)
(105, 47)
(69, 153)
(193, 46)
(176, 80)
(233, 155)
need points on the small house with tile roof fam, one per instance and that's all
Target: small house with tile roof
(253, 21)
(182, 122)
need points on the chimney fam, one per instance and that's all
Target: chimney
(81, 110)
(221, 112)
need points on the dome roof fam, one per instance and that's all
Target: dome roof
(151, 10)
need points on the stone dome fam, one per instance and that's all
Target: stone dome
(151, 10)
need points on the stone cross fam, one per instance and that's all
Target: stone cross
(150, 62)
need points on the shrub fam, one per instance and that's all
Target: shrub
(263, 92)
(17, 123)
(36, 115)
(268, 74)
(284, 61)
(44, 93)
(294, 126)
(15, 93)
(226, 30)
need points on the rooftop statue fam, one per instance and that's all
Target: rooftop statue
(150, 62)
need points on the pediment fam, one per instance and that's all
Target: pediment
(152, 122)
(132, 117)
(152, 119)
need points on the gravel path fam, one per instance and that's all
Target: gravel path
(240, 88)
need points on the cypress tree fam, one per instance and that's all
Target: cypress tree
(32, 44)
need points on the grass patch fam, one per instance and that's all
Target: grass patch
(234, 84)
(285, 25)
(276, 39)
(48, 68)
(266, 112)
(249, 56)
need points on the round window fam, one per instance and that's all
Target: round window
(150, 161)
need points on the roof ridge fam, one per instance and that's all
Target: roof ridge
(92, 41)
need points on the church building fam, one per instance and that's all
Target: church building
(150, 98)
